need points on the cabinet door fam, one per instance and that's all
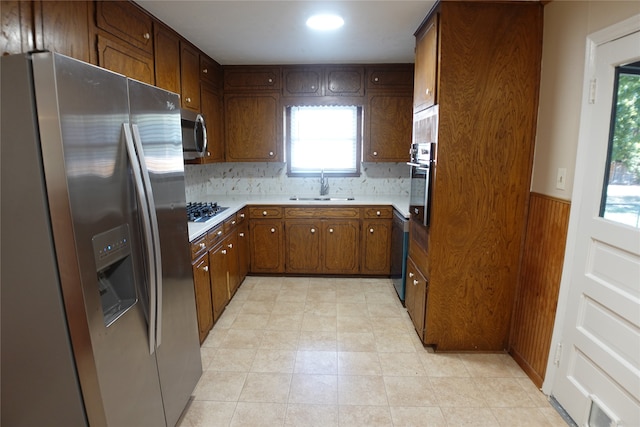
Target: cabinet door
(127, 22)
(218, 267)
(233, 267)
(391, 78)
(344, 81)
(212, 110)
(167, 58)
(253, 128)
(425, 79)
(389, 125)
(416, 297)
(190, 77)
(376, 251)
(302, 246)
(243, 250)
(251, 79)
(202, 286)
(267, 246)
(125, 59)
(63, 27)
(341, 252)
(302, 81)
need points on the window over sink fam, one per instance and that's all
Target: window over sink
(323, 139)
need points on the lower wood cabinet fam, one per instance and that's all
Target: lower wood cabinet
(341, 246)
(267, 246)
(302, 246)
(376, 246)
(219, 258)
(202, 285)
(243, 250)
(416, 297)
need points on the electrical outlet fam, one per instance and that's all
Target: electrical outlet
(561, 178)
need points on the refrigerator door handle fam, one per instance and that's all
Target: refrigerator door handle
(135, 167)
(137, 140)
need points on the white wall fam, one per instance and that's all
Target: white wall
(566, 26)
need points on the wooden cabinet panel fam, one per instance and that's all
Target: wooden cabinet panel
(63, 27)
(253, 129)
(265, 212)
(126, 60)
(167, 58)
(302, 81)
(233, 268)
(377, 212)
(317, 213)
(16, 18)
(243, 250)
(253, 79)
(212, 110)
(126, 21)
(202, 287)
(210, 72)
(341, 249)
(267, 246)
(415, 297)
(344, 81)
(189, 77)
(303, 242)
(376, 246)
(392, 78)
(388, 128)
(425, 81)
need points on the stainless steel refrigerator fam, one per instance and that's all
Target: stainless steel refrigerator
(97, 322)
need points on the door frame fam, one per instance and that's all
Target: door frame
(608, 34)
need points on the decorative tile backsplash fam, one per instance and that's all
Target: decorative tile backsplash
(271, 178)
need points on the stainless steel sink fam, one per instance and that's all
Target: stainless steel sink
(321, 199)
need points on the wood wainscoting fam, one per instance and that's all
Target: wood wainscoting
(539, 283)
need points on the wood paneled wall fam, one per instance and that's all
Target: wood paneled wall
(539, 282)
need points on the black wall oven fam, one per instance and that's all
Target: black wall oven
(423, 163)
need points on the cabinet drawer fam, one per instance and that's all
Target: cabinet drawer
(241, 215)
(378, 212)
(230, 223)
(252, 78)
(198, 247)
(265, 212)
(215, 235)
(313, 212)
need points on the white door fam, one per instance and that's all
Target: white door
(596, 376)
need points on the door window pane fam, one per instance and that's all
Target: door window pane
(621, 191)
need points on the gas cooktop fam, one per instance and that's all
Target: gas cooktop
(203, 211)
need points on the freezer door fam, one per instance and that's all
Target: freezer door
(98, 240)
(156, 128)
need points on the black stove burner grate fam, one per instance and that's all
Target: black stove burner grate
(203, 211)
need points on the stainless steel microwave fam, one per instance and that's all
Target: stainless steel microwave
(194, 135)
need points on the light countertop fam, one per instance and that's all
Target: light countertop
(237, 202)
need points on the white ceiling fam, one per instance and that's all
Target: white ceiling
(240, 32)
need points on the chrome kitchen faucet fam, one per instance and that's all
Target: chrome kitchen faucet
(324, 184)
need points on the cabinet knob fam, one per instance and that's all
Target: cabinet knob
(224, 252)
(415, 282)
(241, 215)
(205, 71)
(219, 233)
(313, 230)
(146, 36)
(375, 153)
(202, 246)
(378, 213)
(428, 91)
(273, 230)
(376, 79)
(270, 80)
(264, 213)
(233, 222)
(371, 230)
(313, 87)
(270, 153)
(187, 100)
(205, 268)
(240, 234)
(331, 230)
(410, 275)
(230, 245)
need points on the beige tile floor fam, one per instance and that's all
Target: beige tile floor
(343, 352)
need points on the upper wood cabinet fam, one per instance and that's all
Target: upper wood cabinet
(252, 78)
(426, 65)
(190, 76)
(210, 72)
(123, 19)
(167, 58)
(124, 59)
(344, 81)
(212, 109)
(302, 81)
(397, 78)
(388, 125)
(63, 27)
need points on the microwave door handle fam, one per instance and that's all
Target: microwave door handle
(135, 167)
(137, 140)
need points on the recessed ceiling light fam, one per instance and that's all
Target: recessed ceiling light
(325, 22)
